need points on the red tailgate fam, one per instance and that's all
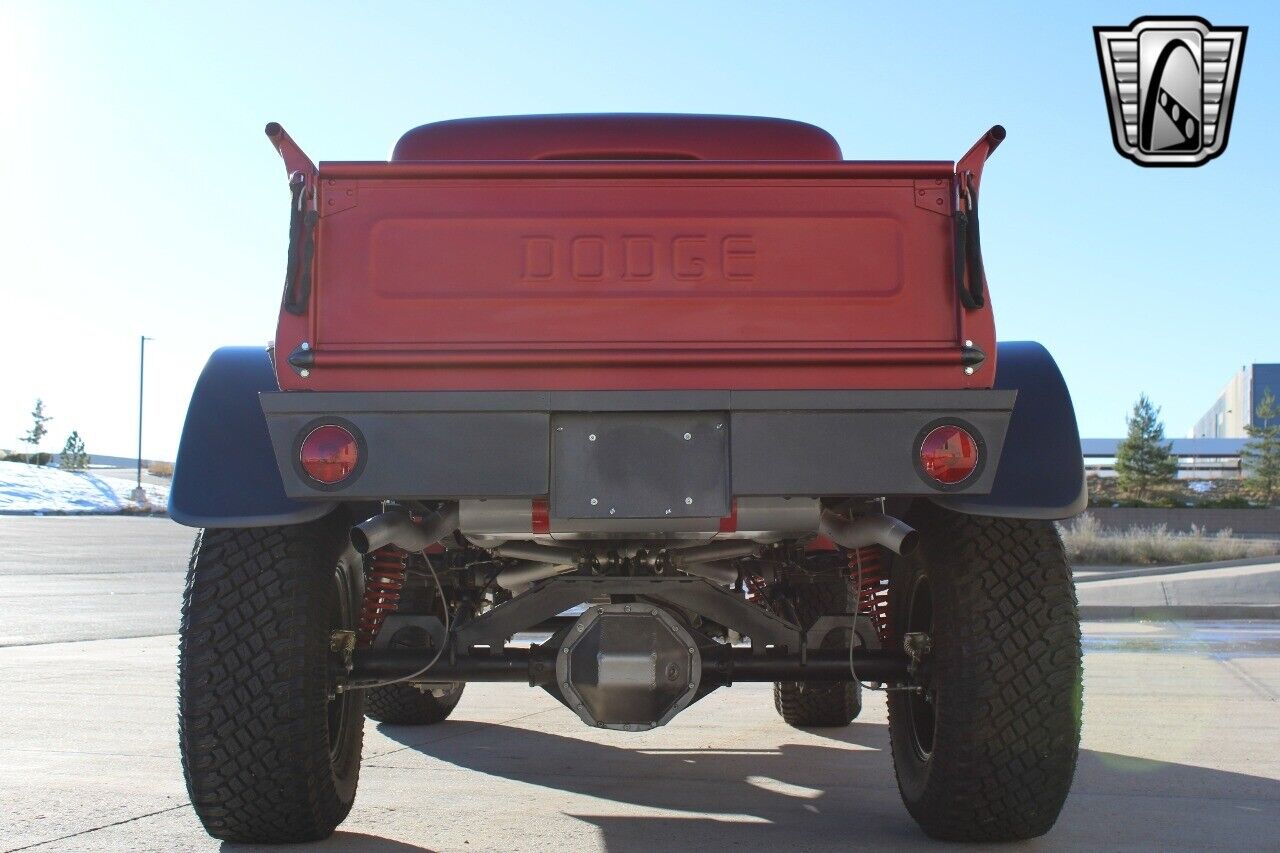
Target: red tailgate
(561, 275)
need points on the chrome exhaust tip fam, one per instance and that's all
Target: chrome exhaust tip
(396, 527)
(885, 530)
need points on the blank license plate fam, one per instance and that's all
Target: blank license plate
(640, 465)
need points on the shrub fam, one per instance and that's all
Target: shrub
(1089, 543)
(28, 458)
(1205, 494)
(1234, 502)
(160, 469)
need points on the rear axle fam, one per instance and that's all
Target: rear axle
(721, 666)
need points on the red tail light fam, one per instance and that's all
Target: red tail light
(948, 454)
(329, 454)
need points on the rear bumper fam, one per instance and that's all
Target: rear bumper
(507, 444)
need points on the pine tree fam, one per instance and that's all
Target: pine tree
(1143, 459)
(73, 457)
(38, 429)
(1261, 454)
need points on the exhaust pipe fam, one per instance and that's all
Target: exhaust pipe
(723, 572)
(537, 553)
(869, 530)
(397, 527)
(521, 575)
(725, 549)
(714, 561)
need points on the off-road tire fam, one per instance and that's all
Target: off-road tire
(406, 705)
(992, 756)
(254, 682)
(819, 704)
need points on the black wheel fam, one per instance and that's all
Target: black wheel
(819, 704)
(987, 749)
(270, 753)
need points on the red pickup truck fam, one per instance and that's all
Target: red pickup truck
(682, 401)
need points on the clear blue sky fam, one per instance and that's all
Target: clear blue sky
(140, 195)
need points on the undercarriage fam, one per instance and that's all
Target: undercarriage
(626, 632)
(967, 622)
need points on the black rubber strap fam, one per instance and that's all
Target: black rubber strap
(968, 250)
(297, 287)
(961, 231)
(977, 272)
(308, 253)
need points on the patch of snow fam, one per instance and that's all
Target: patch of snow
(32, 490)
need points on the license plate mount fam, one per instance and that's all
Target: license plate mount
(640, 465)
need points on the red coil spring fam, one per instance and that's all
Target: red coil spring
(873, 595)
(383, 580)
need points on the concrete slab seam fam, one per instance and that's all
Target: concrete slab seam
(96, 828)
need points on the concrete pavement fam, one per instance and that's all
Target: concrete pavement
(95, 544)
(1181, 738)
(1180, 752)
(68, 578)
(1240, 589)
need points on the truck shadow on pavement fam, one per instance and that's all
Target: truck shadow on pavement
(356, 842)
(828, 792)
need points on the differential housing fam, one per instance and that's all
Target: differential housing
(629, 667)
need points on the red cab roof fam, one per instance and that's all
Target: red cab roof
(617, 136)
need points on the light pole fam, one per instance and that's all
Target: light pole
(139, 495)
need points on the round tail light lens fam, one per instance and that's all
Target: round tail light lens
(948, 454)
(329, 454)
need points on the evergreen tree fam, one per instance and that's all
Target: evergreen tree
(73, 457)
(38, 429)
(1143, 460)
(1261, 455)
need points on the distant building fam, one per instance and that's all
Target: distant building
(1235, 406)
(1198, 458)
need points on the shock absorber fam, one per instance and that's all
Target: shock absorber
(870, 565)
(384, 576)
